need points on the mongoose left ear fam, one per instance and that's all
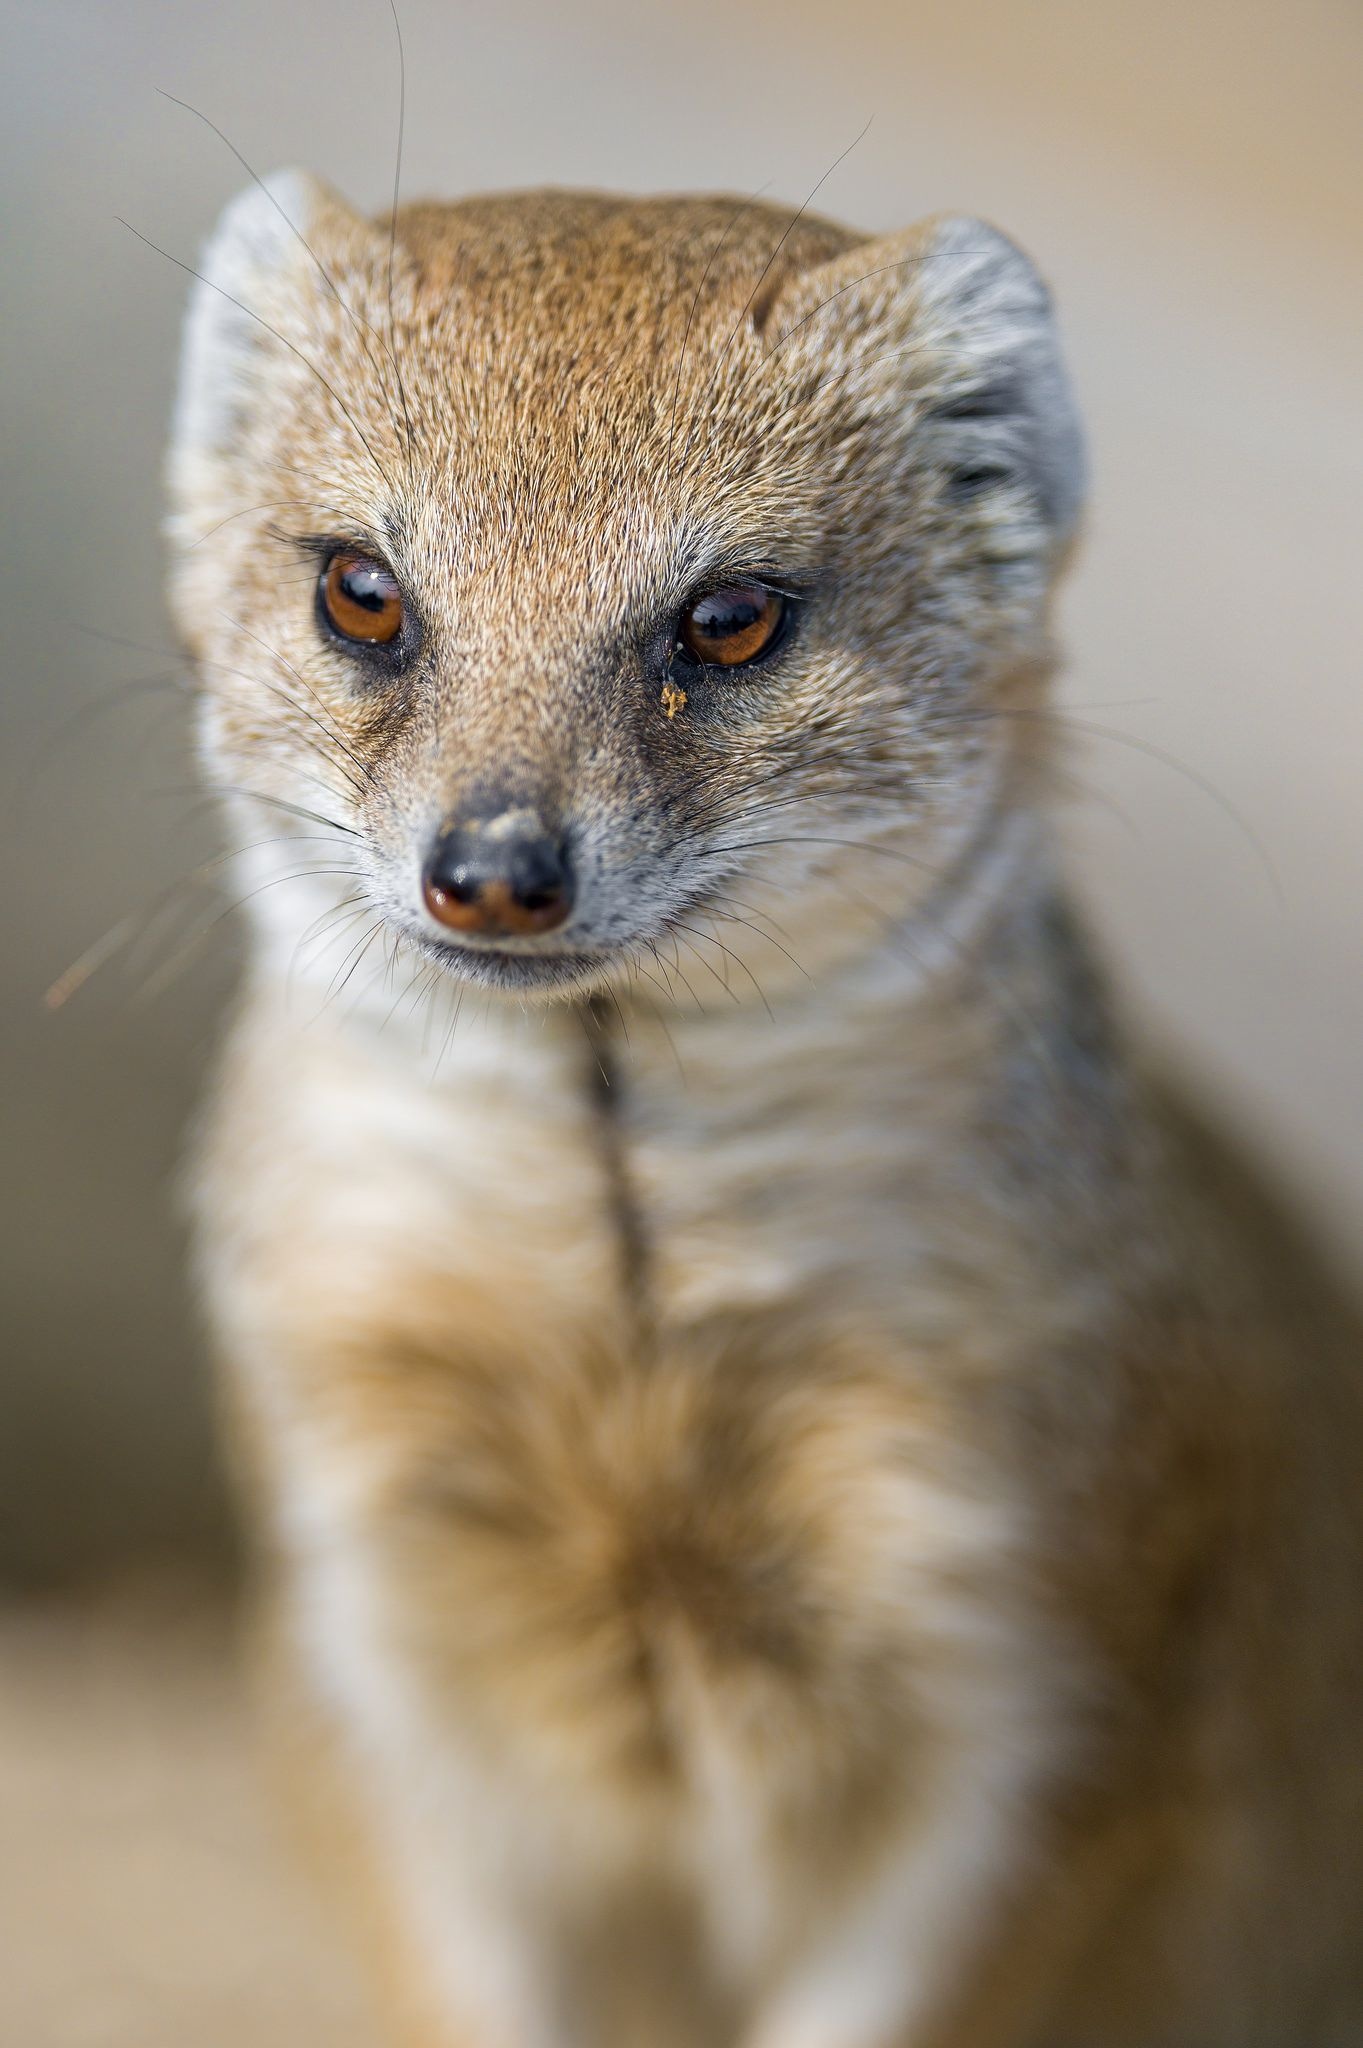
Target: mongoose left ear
(257, 278)
(959, 322)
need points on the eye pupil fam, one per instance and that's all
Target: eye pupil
(362, 599)
(721, 619)
(731, 625)
(362, 586)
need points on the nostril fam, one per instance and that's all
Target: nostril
(539, 878)
(458, 882)
(451, 883)
(541, 898)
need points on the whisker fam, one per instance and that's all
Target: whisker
(662, 969)
(638, 964)
(677, 970)
(356, 320)
(853, 845)
(730, 225)
(89, 962)
(270, 505)
(1004, 1001)
(729, 918)
(420, 978)
(296, 773)
(858, 751)
(113, 697)
(737, 958)
(325, 924)
(1154, 753)
(354, 957)
(283, 339)
(329, 728)
(676, 925)
(393, 226)
(867, 793)
(250, 676)
(752, 908)
(880, 270)
(634, 968)
(788, 231)
(450, 1030)
(277, 803)
(620, 1015)
(131, 929)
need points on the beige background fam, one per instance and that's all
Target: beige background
(1189, 175)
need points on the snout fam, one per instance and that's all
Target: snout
(500, 877)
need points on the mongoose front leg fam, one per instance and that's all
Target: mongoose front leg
(411, 1856)
(890, 1962)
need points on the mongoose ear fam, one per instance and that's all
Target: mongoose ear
(256, 258)
(958, 317)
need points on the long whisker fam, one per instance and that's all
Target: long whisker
(113, 697)
(420, 979)
(283, 339)
(328, 929)
(328, 729)
(1002, 998)
(640, 968)
(722, 917)
(357, 321)
(1152, 753)
(796, 326)
(728, 916)
(250, 676)
(354, 957)
(661, 964)
(857, 753)
(136, 924)
(328, 789)
(1006, 1004)
(159, 978)
(677, 970)
(788, 231)
(729, 226)
(277, 803)
(768, 356)
(853, 845)
(343, 512)
(676, 924)
(393, 225)
(450, 1030)
(635, 968)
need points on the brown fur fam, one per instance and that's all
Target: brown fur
(807, 1507)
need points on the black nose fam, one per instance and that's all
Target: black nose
(501, 877)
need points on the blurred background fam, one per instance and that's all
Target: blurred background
(1189, 175)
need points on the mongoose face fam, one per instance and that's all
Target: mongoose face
(593, 566)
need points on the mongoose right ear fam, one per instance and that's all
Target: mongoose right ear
(256, 261)
(950, 326)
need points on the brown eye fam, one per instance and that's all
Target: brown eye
(362, 599)
(732, 625)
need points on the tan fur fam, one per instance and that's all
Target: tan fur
(808, 1508)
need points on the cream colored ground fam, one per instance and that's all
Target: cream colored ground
(146, 1900)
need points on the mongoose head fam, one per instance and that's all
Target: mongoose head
(596, 571)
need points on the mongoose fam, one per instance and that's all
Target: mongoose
(802, 1500)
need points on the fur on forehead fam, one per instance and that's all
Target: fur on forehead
(655, 352)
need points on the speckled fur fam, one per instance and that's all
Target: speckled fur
(802, 1505)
